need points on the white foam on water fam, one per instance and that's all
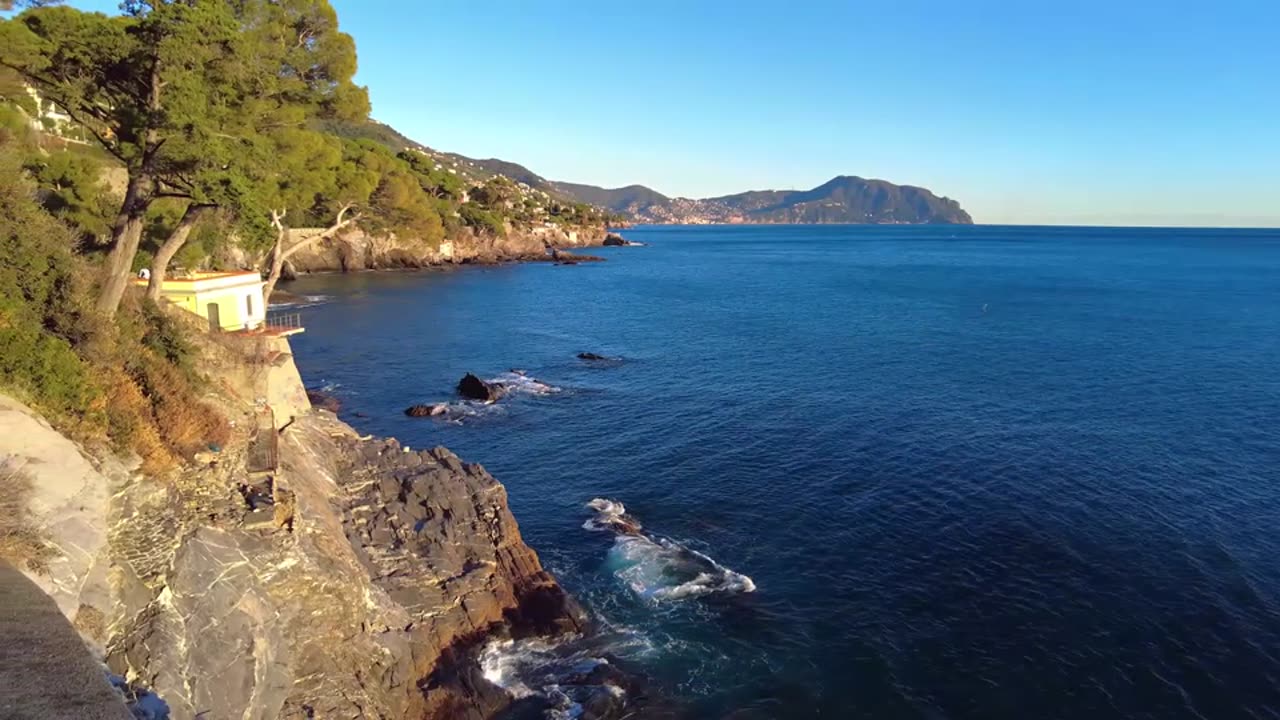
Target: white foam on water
(545, 668)
(657, 568)
(518, 382)
(305, 301)
(610, 515)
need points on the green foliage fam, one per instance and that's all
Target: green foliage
(40, 314)
(187, 95)
(400, 205)
(497, 193)
(71, 189)
(207, 239)
(166, 338)
(130, 381)
(435, 180)
(482, 219)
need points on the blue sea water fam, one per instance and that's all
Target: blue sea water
(971, 472)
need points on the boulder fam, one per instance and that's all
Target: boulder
(324, 401)
(474, 388)
(614, 240)
(426, 410)
(591, 356)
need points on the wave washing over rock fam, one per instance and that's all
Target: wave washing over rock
(560, 675)
(658, 568)
(514, 383)
(519, 382)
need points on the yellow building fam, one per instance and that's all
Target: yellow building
(230, 301)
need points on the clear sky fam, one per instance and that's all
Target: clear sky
(1070, 111)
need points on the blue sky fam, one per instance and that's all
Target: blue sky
(1120, 112)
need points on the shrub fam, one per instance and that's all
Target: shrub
(482, 219)
(166, 337)
(131, 380)
(21, 543)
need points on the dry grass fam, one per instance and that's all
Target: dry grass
(20, 541)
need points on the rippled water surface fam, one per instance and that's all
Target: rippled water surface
(971, 472)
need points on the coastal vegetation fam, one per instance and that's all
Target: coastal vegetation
(172, 134)
(126, 380)
(238, 116)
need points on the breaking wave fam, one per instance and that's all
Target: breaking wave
(513, 383)
(658, 568)
(610, 515)
(297, 302)
(516, 381)
(564, 674)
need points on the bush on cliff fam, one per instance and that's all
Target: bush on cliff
(129, 380)
(482, 220)
(21, 543)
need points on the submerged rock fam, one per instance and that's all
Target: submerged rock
(591, 356)
(321, 400)
(473, 388)
(426, 410)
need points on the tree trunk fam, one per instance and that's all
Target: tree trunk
(126, 233)
(279, 253)
(277, 267)
(171, 246)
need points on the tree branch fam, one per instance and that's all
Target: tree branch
(340, 224)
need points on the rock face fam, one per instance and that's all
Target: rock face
(473, 388)
(353, 579)
(360, 251)
(393, 564)
(71, 506)
(324, 401)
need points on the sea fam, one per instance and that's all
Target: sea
(868, 471)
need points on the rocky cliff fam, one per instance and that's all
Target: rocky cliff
(362, 251)
(301, 571)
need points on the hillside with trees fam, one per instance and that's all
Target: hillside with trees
(211, 147)
(170, 135)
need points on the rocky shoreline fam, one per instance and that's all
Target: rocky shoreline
(358, 250)
(349, 577)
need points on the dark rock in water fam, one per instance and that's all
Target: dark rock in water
(591, 356)
(474, 388)
(426, 410)
(614, 240)
(324, 401)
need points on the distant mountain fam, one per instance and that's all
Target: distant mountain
(632, 199)
(843, 199)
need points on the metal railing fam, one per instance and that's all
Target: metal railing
(264, 453)
(283, 321)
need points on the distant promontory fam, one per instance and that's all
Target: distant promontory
(843, 199)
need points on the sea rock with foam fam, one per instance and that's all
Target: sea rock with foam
(473, 388)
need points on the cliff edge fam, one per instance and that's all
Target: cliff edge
(300, 571)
